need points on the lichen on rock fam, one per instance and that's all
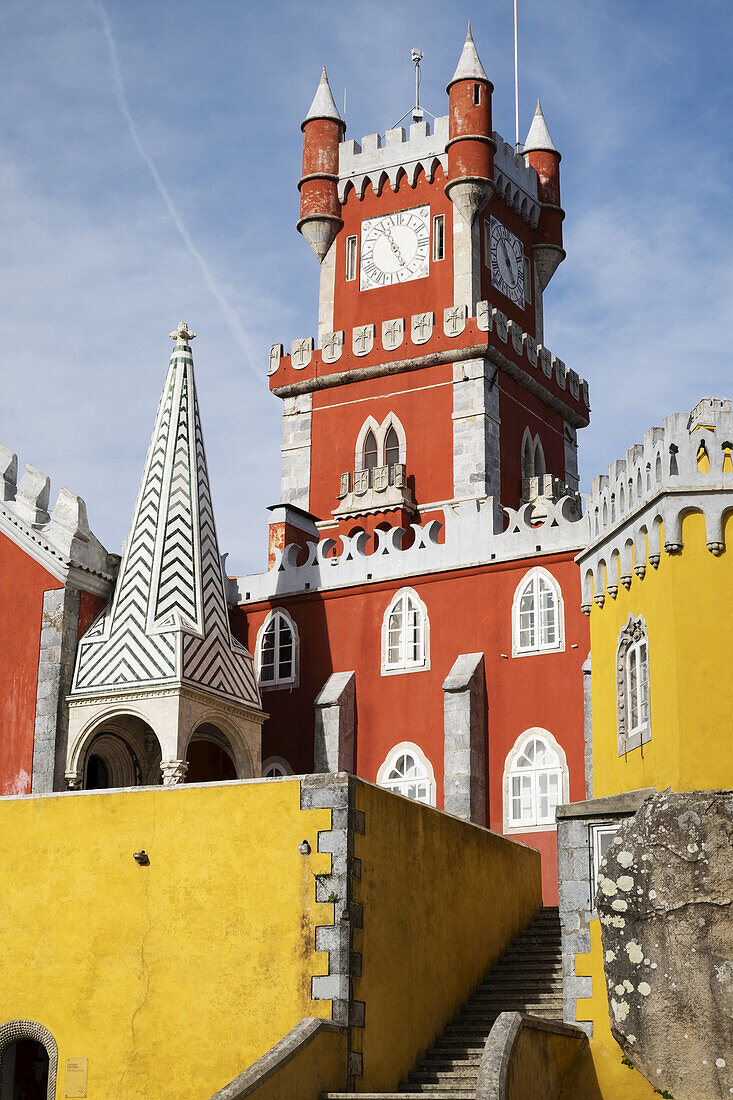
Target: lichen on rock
(671, 955)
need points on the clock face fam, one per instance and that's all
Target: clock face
(395, 248)
(507, 262)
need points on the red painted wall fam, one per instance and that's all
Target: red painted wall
(435, 292)
(423, 402)
(543, 690)
(519, 409)
(22, 584)
(524, 317)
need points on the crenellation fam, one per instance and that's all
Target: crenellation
(680, 468)
(8, 473)
(476, 531)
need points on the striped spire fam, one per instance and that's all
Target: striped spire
(168, 620)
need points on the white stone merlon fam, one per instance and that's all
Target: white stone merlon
(296, 450)
(476, 424)
(686, 466)
(61, 541)
(515, 181)
(474, 535)
(381, 160)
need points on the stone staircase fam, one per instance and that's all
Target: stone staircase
(527, 978)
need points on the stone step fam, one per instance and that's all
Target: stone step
(524, 993)
(441, 1076)
(439, 1064)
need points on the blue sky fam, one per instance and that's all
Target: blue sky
(95, 271)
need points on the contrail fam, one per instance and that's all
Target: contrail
(121, 96)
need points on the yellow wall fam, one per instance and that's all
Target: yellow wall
(320, 1065)
(687, 604)
(442, 899)
(171, 978)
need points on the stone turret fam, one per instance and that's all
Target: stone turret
(320, 209)
(470, 137)
(540, 153)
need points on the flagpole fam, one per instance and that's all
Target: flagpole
(516, 81)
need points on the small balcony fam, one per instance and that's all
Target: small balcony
(377, 489)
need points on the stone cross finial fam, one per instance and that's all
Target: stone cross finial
(182, 335)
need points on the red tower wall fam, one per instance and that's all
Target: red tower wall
(469, 611)
(22, 584)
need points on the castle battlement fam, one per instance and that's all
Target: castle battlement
(61, 539)
(425, 338)
(379, 160)
(474, 535)
(686, 466)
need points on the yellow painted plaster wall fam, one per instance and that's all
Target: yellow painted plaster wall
(173, 978)
(687, 604)
(442, 899)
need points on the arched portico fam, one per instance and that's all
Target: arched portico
(16, 1035)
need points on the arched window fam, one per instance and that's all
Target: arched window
(277, 651)
(527, 455)
(371, 454)
(538, 615)
(540, 467)
(405, 634)
(275, 767)
(632, 686)
(28, 1060)
(408, 771)
(535, 781)
(391, 447)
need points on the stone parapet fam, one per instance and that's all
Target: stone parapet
(686, 466)
(422, 340)
(60, 540)
(473, 535)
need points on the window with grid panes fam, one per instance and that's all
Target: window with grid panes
(535, 784)
(405, 633)
(277, 652)
(537, 615)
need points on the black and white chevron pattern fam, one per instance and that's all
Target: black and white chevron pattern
(168, 620)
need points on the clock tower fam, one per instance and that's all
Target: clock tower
(429, 381)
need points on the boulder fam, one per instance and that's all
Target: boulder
(664, 901)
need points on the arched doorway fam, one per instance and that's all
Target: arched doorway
(123, 752)
(210, 757)
(28, 1061)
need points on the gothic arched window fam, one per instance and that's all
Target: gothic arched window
(275, 767)
(535, 781)
(277, 651)
(391, 447)
(408, 771)
(405, 634)
(370, 453)
(632, 686)
(537, 615)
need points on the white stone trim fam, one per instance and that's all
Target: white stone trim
(278, 762)
(420, 757)
(423, 665)
(631, 635)
(17, 1031)
(512, 756)
(379, 431)
(559, 646)
(277, 683)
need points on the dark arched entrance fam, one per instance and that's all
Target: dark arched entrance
(209, 757)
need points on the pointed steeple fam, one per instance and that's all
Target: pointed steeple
(167, 627)
(538, 138)
(469, 64)
(323, 105)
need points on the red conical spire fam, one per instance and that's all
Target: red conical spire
(320, 209)
(470, 135)
(540, 153)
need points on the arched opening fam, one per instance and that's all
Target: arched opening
(25, 1071)
(370, 452)
(391, 447)
(28, 1061)
(123, 752)
(209, 755)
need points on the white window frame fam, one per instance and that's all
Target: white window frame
(410, 749)
(533, 576)
(438, 237)
(279, 763)
(601, 829)
(279, 681)
(512, 824)
(380, 434)
(351, 265)
(631, 640)
(404, 664)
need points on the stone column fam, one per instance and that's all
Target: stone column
(466, 262)
(464, 724)
(335, 734)
(296, 450)
(56, 656)
(476, 426)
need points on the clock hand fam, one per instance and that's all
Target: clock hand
(394, 246)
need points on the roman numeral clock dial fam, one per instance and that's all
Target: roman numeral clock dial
(507, 262)
(395, 248)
